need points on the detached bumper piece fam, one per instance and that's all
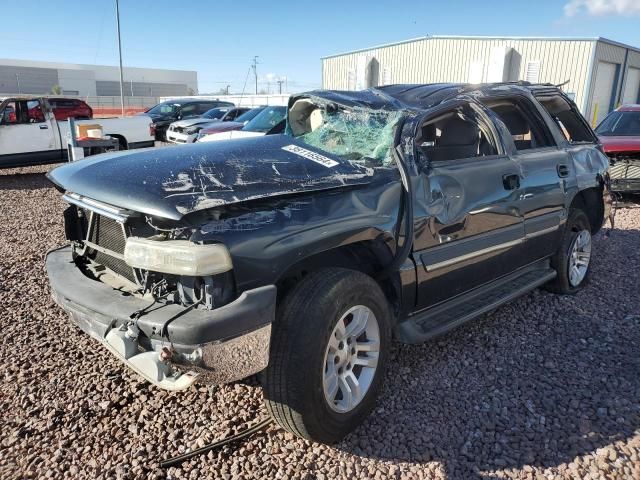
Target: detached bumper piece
(149, 365)
(213, 346)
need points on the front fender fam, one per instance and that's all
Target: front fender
(267, 241)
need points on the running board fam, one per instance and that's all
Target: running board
(441, 318)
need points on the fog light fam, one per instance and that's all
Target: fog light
(179, 257)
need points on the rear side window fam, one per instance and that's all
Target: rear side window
(189, 109)
(527, 131)
(569, 121)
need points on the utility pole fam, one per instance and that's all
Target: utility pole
(280, 82)
(255, 71)
(18, 82)
(228, 87)
(120, 54)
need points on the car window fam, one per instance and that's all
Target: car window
(526, 130)
(266, 119)
(620, 124)
(22, 111)
(354, 134)
(9, 114)
(189, 110)
(204, 107)
(249, 115)
(455, 135)
(164, 109)
(34, 111)
(216, 113)
(231, 115)
(570, 122)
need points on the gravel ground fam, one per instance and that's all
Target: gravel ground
(545, 387)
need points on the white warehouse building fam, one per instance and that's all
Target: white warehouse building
(599, 74)
(34, 77)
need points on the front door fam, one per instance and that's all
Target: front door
(27, 133)
(468, 230)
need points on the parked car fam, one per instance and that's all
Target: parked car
(165, 113)
(237, 124)
(186, 131)
(395, 212)
(619, 134)
(64, 108)
(30, 133)
(270, 119)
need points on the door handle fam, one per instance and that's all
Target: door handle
(511, 182)
(563, 170)
(43, 127)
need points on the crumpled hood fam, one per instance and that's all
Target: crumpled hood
(174, 181)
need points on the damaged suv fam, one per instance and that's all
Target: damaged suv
(395, 212)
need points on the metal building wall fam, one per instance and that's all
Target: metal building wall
(624, 58)
(448, 59)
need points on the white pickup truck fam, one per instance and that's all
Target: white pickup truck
(30, 134)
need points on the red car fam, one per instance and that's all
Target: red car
(619, 134)
(63, 108)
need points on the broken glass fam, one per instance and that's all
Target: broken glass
(360, 135)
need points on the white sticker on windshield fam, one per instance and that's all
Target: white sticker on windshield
(313, 156)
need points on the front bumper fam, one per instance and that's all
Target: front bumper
(218, 346)
(176, 137)
(625, 185)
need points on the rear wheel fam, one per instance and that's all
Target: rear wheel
(328, 354)
(572, 261)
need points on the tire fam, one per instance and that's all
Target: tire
(576, 230)
(305, 351)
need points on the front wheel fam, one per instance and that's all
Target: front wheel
(328, 354)
(572, 261)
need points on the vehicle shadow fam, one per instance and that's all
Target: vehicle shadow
(538, 383)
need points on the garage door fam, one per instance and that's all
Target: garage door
(603, 91)
(631, 86)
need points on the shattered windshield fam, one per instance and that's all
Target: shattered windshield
(356, 134)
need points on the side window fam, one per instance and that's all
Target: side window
(188, 110)
(526, 130)
(34, 111)
(569, 121)
(10, 114)
(21, 112)
(205, 107)
(454, 135)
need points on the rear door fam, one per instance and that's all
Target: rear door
(27, 133)
(545, 168)
(468, 230)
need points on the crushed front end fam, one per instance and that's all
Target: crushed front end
(164, 305)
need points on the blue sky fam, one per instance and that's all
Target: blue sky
(218, 39)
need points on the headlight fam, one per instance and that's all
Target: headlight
(179, 257)
(191, 131)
